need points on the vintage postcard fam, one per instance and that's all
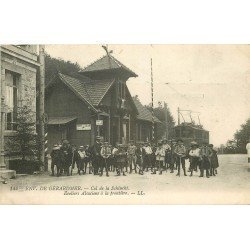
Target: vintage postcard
(124, 124)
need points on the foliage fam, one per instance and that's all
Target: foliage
(242, 136)
(25, 140)
(159, 112)
(54, 65)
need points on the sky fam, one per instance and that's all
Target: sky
(211, 79)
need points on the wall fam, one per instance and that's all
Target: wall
(60, 101)
(25, 65)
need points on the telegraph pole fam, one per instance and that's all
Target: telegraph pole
(166, 120)
(2, 163)
(41, 118)
(152, 100)
(178, 111)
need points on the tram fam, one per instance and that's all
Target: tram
(189, 131)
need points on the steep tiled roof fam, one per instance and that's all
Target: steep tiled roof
(144, 113)
(106, 63)
(97, 90)
(90, 91)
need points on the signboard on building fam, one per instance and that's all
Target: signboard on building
(99, 122)
(83, 126)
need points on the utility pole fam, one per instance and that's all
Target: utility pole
(166, 120)
(2, 163)
(41, 118)
(178, 111)
(152, 100)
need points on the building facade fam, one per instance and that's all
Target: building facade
(96, 101)
(18, 82)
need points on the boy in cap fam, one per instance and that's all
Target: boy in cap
(131, 157)
(105, 153)
(55, 160)
(80, 156)
(67, 156)
(194, 156)
(180, 152)
(205, 155)
(160, 157)
(147, 156)
(140, 152)
(96, 154)
(167, 149)
(213, 160)
(121, 160)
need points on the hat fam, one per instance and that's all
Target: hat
(210, 145)
(193, 143)
(98, 137)
(81, 147)
(179, 140)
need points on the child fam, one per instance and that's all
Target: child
(194, 157)
(55, 159)
(160, 157)
(81, 155)
(121, 160)
(213, 161)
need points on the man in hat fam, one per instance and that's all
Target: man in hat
(213, 160)
(205, 155)
(131, 157)
(180, 152)
(66, 156)
(194, 157)
(106, 154)
(55, 160)
(96, 154)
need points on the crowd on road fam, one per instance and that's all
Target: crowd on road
(143, 157)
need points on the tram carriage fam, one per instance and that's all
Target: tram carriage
(189, 132)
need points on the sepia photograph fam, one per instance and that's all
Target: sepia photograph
(124, 124)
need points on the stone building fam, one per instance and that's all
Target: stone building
(18, 79)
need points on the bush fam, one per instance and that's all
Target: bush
(24, 166)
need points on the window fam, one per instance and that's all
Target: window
(11, 80)
(121, 89)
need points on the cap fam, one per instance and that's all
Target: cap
(179, 140)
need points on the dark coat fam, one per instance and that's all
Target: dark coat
(96, 149)
(66, 155)
(214, 159)
(55, 156)
(139, 155)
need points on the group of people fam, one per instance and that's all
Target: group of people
(139, 158)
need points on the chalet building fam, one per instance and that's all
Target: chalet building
(95, 101)
(18, 80)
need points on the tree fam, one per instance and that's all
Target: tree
(243, 135)
(54, 65)
(25, 140)
(159, 112)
